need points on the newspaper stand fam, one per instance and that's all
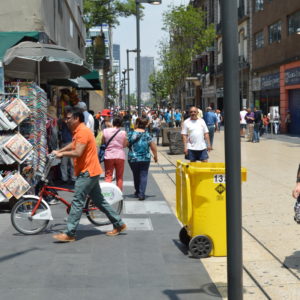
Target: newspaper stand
(201, 207)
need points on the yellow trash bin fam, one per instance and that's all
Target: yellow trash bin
(201, 207)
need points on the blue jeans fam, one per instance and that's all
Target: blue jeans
(127, 126)
(86, 185)
(256, 132)
(156, 131)
(140, 175)
(211, 132)
(194, 155)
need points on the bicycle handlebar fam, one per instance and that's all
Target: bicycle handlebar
(50, 159)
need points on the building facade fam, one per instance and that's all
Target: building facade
(58, 21)
(269, 59)
(276, 59)
(147, 68)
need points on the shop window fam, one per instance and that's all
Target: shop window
(259, 5)
(275, 32)
(293, 22)
(259, 40)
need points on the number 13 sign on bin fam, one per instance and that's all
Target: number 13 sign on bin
(219, 178)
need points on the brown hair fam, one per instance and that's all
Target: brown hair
(141, 123)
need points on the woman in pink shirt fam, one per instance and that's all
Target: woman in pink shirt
(114, 157)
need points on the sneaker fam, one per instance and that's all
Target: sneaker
(53, 202)
(63, 237)
(117, 231)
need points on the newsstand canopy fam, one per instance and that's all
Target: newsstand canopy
(93, 79)
(9, 39)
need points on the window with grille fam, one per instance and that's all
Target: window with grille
(259, 5)
(275, 32)
(259, 40)
(293, 22)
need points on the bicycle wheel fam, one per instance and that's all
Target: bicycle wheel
(96, 216)
(21, 216)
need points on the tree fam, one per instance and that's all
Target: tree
(157, 87)
(97, 12)
(189, 35)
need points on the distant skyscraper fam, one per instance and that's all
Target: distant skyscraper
(147, 68)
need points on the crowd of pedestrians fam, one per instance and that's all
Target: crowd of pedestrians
(81, 131)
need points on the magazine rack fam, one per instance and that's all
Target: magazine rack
(22, 146)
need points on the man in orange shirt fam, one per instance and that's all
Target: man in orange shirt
(87, 169)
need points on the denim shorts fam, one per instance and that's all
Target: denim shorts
(194, 155)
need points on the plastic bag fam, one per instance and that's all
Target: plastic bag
(99, 138)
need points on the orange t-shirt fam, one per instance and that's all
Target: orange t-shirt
(89, 160)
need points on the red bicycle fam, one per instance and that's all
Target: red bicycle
(31, 214)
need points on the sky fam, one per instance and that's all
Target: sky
(150, 34)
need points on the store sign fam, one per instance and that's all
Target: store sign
(292, 76)
(209, 91)
(256, 84)
(1, 78)
(220, 93)
(270, 82)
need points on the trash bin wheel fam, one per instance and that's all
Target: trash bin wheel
(184, 237)
(200, 246)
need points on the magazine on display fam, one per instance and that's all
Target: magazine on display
(18, 147)
(4, 191)
(18, 110)
(5, 123)
(16, 185)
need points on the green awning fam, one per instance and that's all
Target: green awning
(93, 79)
(94, 75)
(9, 39)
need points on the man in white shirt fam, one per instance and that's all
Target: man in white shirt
(243, 122)
(195, 137)
(88, 118)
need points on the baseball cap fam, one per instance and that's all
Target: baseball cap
(105, 113)
(81, 105)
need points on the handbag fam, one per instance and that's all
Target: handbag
(104, 146)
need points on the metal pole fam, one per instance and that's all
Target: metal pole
(232, 150)
(128, 81)
(138, 58)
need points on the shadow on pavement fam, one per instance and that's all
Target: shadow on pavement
(13, 255)
(181, 247)
(293, 261)
(207, 289)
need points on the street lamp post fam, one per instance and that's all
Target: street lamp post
(138, 49)
(124, 87)
(128, 81)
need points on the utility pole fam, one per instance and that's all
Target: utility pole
(232, 149)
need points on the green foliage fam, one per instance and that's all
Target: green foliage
(133, 100)
(189, 35)
(157, 87)
(97, 12)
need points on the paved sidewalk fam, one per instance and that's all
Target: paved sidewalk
(146, 262)
(270, 235)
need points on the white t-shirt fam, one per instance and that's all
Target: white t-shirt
(242, 117)
(195, 130)
(89, 120)
(133, 119)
